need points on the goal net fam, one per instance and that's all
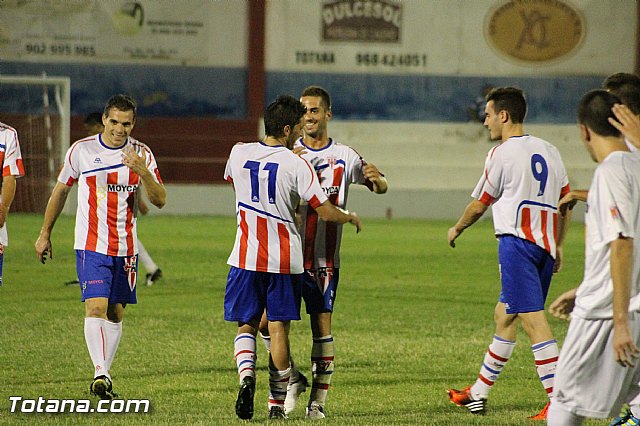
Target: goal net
(38, 107)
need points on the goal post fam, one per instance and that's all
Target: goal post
(39, 108)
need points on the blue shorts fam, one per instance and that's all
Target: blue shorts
(525, 273)
(319, 289)
(113, 277)
(248, 293)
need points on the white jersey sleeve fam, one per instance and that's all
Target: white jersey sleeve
(11, 160)
(613, 210)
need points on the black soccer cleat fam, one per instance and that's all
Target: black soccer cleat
(244, 403)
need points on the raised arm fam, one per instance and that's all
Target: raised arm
(379, 182)
(156, 193)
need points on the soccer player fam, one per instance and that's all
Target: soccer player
(12, 168)
(598, 368)
(266, 261)
(523, 179)
(627, 119)
(92, 125)
(109, 168)
(338, 166)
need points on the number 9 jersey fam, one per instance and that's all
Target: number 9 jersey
(269, 182)
(523, 180)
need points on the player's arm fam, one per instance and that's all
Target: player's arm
(621, 264)
(567, 202)
(474, 211)
(564, 304)
(156, 193)
(627, 122)
(378, 180)
(8, 193)
(330, 213)
(563, 229)
(54, 208)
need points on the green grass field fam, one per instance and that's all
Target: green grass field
(413, 318)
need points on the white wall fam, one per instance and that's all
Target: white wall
(431, 168)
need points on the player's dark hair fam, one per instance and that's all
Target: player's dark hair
(629, 94)
(619, 79)
(122, 103)
(594, 110)
(284, 111)
(93, 119)
(320, 92)
(509, 99)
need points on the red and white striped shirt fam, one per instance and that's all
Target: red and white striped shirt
(337, 166)
(11, 161)
(523, 180)
(269, 182)
(107, 195)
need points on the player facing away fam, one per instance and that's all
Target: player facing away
(109, 168)
(337, 166)
(12, 168)
(523, 180)
(266, 262)
(598, 369)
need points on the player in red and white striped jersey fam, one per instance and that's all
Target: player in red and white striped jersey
(12, 168)
(523, 180)
(337, 166)
(109, 169)
(266, 261)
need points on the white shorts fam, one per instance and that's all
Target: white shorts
(589, 382)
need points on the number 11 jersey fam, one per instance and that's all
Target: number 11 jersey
(269, 182)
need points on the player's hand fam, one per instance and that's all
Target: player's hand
(131, 159)
(627, 122)
(567, 202)
(564, 304)
(371, 172)
(624, 347)
(299, 150)
(43, 249)
(355, 221)
(452, 235)
(557, 264)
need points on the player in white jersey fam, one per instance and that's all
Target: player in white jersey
(266, 261)
(627, 119)
(598, 369)
(337, 166)
(93, 125)
(523, 180)
(109, 168)
(12, 168)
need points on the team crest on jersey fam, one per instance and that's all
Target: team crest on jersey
(332, 161)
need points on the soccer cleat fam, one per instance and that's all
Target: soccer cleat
(315, 411)
(463, 398)
(294, 390)
(277, 412)
(631, 421)
(102, 387)
(244, 402)
(542, 415)
(625, 414)
(152, 278)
